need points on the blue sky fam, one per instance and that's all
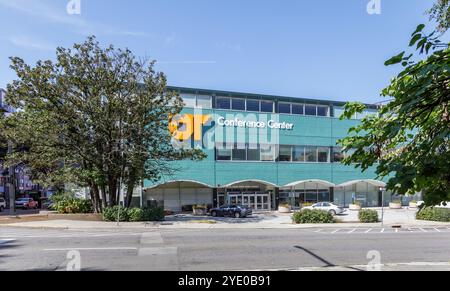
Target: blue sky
(304, 48)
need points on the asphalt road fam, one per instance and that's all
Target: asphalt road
(222, 250)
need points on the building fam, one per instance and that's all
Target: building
(263, 151)
(24, 184)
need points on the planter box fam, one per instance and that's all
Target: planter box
(413, 205)
(355, 207)
(282, 209)
(199, 211)
(395, 205)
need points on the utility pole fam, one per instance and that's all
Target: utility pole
(12, 185)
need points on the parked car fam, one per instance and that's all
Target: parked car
(237, 211)
(26, 203)
(327, 206)
(2, 204)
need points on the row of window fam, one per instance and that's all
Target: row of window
(254, 105)
(282, 153)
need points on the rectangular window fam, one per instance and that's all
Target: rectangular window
(223, 153)
(253, 153)
(253, 105)
(239, 152)
(223, 103)
(322, 111)
(267, 153)
(298, 154)
(238, 104)
(285, 154)
(338, 155)
(323, 155)
(311, 110)
(267, 106)
(189, 100)
(284, 108)
(297, 109)
(204, 102)
(311, 154)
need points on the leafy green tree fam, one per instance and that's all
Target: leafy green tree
(409, 139)
(97, 117)
(440, 12)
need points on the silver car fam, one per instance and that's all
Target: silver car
(328, 207)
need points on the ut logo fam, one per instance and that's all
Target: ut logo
(182, 127)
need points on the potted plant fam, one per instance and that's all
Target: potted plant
(396, 204)
(284, 208)
(355, 206)
(413, 204)
(199, 210)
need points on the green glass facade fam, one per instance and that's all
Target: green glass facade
(300, 135)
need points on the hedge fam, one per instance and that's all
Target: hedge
(312, 216)
(133, 214)
(434, 214)
(368, 216)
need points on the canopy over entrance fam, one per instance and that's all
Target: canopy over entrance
(374, 183)
(310, 184)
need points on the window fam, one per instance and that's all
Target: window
(311, 154)
(223, 154)
(323, 154)
(252, 105)
(322, 111)
(253, 152)
(189, 100)
(267, 106)
(285, 154)
(298, 154)
(338, 155)
(204, 102)
(239, 152)
(268, 153)
(310, 110)
(284, 108)
(238, 104)
(223, 103)
(297, 109)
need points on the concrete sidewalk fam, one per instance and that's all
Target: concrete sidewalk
(404, 217)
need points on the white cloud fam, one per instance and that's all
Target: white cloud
(42, 10)
(30, 43)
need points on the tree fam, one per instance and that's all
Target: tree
(95, 117)
(440, 12)
(409, 139)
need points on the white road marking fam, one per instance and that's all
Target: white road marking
(336, 231)
(317, 231)
(437, 230)
(382, 230)
(396, 230)
(157, 251)
(369, 230)
(92, 249)
(352, 231)
(423, 230)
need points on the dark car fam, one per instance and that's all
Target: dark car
(237, 211)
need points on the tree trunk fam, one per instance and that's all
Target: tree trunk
(104, 205)
(112, 190)
(97, 205)
(129, 197)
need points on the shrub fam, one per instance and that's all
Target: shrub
(285, 205)
(111, 213)
(434, 214)
(153, 214)
(200, 207)
(368, 216)
(69, 205)
(312, 216)
(136, 214)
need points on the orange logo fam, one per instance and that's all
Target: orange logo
(183, 126)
